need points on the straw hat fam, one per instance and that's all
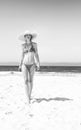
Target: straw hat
(21, 36)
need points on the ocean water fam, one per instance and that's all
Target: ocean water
(75, 69)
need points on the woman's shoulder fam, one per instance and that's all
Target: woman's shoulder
(23, 44)
(34, 44)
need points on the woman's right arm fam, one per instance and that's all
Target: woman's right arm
(22, 55)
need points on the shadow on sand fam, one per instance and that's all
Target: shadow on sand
(38, 100)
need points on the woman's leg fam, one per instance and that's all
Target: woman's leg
(25, 75)
(30, 79)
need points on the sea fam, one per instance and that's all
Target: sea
(46, 67)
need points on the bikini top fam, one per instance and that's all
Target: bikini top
(32, 49)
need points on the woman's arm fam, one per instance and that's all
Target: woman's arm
(37, 56)
(22, 55)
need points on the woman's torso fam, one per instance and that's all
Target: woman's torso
(29, 54)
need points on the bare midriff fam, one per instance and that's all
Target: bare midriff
(29, 58)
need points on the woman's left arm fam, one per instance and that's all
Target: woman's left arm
(37, 56)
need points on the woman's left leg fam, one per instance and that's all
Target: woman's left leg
(30, 79)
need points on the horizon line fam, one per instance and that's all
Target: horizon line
(44, 63)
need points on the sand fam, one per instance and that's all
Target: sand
(55, 105)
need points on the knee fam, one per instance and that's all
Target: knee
(26, 81)
(30, 79)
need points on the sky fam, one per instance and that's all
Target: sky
(56, 22)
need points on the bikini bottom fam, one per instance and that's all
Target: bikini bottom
(29, 66)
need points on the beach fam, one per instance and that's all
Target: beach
(55, 104)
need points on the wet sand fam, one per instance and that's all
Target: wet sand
(55, 104)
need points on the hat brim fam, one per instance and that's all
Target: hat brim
(22, 38)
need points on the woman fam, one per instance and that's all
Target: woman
(28, 64)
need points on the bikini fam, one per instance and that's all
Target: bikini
(32, 49)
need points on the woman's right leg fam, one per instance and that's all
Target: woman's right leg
(30, 78)
(25, 75)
